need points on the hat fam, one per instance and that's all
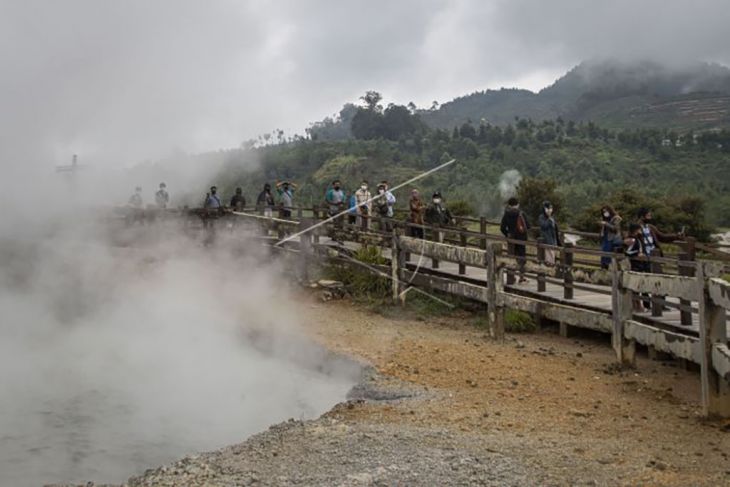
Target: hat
(437, 194)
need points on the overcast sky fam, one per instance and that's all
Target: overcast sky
(121, 81)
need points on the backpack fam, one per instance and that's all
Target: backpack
(521, 227)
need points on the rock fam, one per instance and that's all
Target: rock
(328, 284)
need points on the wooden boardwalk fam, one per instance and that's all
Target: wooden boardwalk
(598, 300)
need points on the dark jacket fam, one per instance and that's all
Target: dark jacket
(509, 224)
(265, 200)
(238, 200)
(549, 231)
(438, 215)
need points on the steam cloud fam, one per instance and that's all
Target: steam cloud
(116, 359)
(508, 182)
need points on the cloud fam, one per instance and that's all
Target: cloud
(118, 82)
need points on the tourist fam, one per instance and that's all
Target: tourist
(549, 232)
(416, 217)
(238, 201)
(390, 198)
(212, 201)
(135, 201)
(364, 206)
(335, 200)
(436, 213)
(286, 193)
(651, 235)
(514, 226)
(636, 253)
(382, 208)
(352, 209)
(162, 197)
(265, 201)
(611, 240)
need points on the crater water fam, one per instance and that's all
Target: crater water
(112, 364)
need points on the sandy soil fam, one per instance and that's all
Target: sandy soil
(447, 405)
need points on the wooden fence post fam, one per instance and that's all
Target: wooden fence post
(436, 237)
(396, 258)
(567, 263)
(621, 310)
(713, 329)
(688, 255)
(483, 231)
(657, 301)
(494, 288)
(541, 259)
(462, 241)
(510, 273)
(305, 249)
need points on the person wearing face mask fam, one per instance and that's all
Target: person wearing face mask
(389, 197)
(549, 232)
(286, 193)
(335, 200)
(265, 201)
(437, 214)
(611, 236)
(382, 208)
(212, 200)
(364, 206)
(212, 211)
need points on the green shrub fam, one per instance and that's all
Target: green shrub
(361, 281)
(516, 321)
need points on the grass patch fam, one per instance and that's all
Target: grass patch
(516, 321)
(362, 283)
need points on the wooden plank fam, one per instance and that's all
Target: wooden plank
(581, 318)
(681, 346)
(719, 291)
(721, 360)
(450, 286)
(507, 262)
(440, 251)
(661, 284)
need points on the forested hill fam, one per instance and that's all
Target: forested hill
(684, 176)
(611, 93)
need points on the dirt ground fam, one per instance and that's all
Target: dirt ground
(445, 405)
(558, 403)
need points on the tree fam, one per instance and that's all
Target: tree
(372, 101)
(533, 192)
(468, 131)
(367, 124)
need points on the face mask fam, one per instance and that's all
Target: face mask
(437, 201)
(548, 211)
(364, 187)
(606, 214)
(381, 191)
